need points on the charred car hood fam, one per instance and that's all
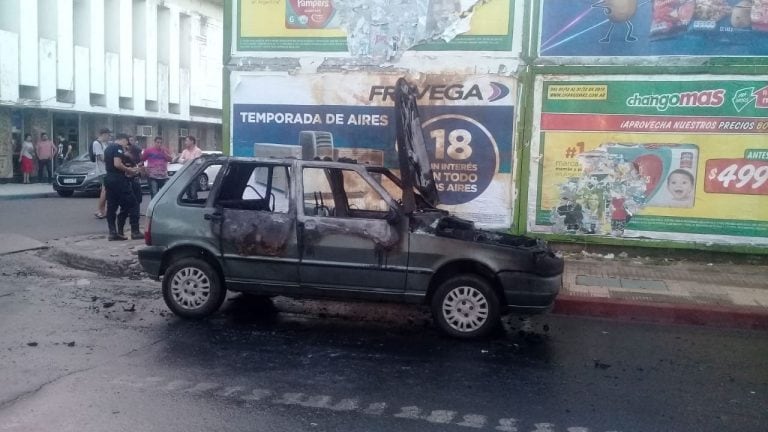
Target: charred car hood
(415, 170)
(542, 259)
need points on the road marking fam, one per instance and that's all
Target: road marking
(474, 421)
(177, 385)
(376, 408)
(411, 412)
(257, 394)
(345, 405)
(507, 425)
(203, 387)
(229, 391)
(321, 401)
(440, 416)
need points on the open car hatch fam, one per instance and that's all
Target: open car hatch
(415, 169)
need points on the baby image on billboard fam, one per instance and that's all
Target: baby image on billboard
(669, 171)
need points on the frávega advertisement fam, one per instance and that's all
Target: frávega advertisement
(660, 157)
(467, 124)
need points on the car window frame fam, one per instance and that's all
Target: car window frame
(360, 170)
(206, 162)
(287, 165)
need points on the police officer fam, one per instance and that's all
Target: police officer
(118, 183)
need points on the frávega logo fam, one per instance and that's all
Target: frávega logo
(705, 98)
(498, 91)
(452, 92)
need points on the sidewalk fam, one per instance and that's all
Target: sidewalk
(616, 287)
(683, 292)
(9, 191)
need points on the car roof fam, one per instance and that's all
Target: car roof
(292, 161)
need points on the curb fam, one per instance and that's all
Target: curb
(710, 315)
(27, 196)
(663, 313)
(111, 268)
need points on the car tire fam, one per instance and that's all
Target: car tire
(466, 307)
(202, 182)
(65, 193)
(192, 288)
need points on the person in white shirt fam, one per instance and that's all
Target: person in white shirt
(191, 150)
(26, 158)
(97, 147)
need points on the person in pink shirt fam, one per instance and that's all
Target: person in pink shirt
(46, 151)
(156, 160)
(191, 150)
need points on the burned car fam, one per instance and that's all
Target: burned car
(325, 229)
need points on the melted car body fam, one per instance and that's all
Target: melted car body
(327, 229)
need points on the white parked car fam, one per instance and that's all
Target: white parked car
(206, 178)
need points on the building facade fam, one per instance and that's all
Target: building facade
(142, 67)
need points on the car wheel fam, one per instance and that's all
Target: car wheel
(65, 193)
(466, 307)
(202, 181)
(192, 288)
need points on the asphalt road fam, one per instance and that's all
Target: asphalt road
(85, 353)
(50, 218)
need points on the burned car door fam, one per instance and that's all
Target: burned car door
(351, 235)
(258, 225)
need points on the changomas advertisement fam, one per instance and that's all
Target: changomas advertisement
(467, 126)
(652, 157)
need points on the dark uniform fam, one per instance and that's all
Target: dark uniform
(119, 194)
(134, 152)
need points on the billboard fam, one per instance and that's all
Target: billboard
(318, 25)
(635, 28)
(661, 157)
(468, 127)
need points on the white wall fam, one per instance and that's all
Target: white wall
(148, 58)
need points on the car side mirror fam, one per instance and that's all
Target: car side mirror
(393, 216)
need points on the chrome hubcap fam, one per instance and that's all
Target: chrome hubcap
(465, 309)
(190, 288)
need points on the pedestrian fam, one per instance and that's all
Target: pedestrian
(46, 152)
(26, 158)
(134, 152)
(64, 150)
(97, 149)
(191, 150)
(61, 149)
(70, 152)
(118, 184)
(156, 159)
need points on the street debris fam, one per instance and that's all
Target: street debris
(601, 365)
(70, 344)
(32, 344)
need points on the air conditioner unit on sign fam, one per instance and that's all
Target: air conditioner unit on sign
(183, 133)
(144, 131)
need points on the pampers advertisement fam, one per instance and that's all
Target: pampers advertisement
(637, 28)
(467, 124)
(318, 25)
(652, 157)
